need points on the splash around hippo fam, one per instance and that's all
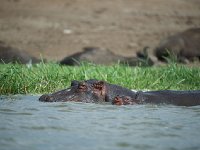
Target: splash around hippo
(97, 91)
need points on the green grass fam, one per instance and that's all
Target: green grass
(45, 78)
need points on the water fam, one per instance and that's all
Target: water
(26, 123)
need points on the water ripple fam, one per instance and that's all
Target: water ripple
(6, 110)
(16, 113)
(44, 128)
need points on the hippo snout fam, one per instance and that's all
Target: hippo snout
(46, 98)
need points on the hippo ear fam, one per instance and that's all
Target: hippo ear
(99, 85)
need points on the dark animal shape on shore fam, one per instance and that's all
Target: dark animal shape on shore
(103, 56)
(95, 91)
(185, 46)
(12, 55)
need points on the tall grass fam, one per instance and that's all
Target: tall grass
(45, 78)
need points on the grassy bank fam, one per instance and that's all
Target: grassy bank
(44, 78)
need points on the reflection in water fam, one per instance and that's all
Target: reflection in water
(26, 123)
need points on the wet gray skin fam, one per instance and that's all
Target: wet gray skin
(95, 91)
(79, 92)
(89, 91)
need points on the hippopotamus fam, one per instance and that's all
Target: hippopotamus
(185, 46)
(12, 55)
(98, 91)
(103, 56)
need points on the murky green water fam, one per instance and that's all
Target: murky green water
(27, 124)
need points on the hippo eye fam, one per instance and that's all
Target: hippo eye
(127, 99)
(82, 86)
(98, 85)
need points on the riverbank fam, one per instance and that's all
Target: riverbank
(45, 78)
(56, 29)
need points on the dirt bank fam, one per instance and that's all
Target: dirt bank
(58, 28)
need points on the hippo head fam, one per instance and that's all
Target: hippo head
(89, 91)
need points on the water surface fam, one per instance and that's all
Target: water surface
(26, 123)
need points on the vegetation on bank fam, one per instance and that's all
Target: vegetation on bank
(45, 78)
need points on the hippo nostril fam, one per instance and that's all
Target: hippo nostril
(45, 98)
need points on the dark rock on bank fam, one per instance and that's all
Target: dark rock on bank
(185, 46)
(12, 55)
(103, 56)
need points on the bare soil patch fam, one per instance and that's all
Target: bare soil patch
(59, 28)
